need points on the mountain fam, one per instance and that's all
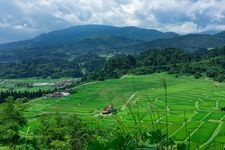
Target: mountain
(78, 40)
(191, 42)
(81, 32)
(73, 42)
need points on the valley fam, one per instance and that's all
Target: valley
(112, 75)
(193, 106)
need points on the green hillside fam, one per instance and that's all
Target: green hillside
(200, 99)
(78, 40)
(190, 42)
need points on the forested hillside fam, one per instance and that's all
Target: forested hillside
(210, 63)
(191, 42)
(77, 41)
(100, 52)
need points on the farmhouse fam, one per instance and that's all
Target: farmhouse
(108, 110)
(55, 95)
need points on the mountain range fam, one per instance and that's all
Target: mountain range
(101, 39)
(190, 42)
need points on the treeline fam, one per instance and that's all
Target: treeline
(52, 67)
(210, 63)
(23, 95)
(40, 68)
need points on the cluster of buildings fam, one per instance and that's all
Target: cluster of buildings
(58, 84)
(66, 92)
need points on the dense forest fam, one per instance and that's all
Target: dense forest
(94, 67)
(51, 67)
(23, 95)
(209, 63)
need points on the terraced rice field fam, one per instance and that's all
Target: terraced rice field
(193, 106)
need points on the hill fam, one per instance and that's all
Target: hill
(173, 61)
(191, 42)
(79, 40)
(201, 99)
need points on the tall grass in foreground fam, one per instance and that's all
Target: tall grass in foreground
(152, 136)
(164, 85)
(186, 131)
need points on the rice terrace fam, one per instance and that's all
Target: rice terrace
(194, 103)
(112, 75)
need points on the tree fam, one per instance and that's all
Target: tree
(63, 132)
(11, 120)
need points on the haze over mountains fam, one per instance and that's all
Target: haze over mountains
(102, 39)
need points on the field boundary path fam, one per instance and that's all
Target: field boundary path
(206, 116)
(196, 105)
(217, 104)
(215, 133)
(128, 101)
(125, 76)
(86, 84)
(183, 124)
(194, 131)
(158, 120)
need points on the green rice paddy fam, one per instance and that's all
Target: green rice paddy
(196, 102)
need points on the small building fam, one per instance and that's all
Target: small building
(109, 110)
(55, 95)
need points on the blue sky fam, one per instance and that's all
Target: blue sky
(24, 19)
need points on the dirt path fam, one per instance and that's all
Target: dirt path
(128, 101)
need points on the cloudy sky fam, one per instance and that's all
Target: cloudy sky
(23, 19)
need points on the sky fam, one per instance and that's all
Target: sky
(24, 19)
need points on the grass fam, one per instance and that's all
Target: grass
(198, 97)
(215, 116)
(181, 134)
(204, 132)
(199, 116)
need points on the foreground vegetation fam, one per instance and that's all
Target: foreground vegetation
(190, 114)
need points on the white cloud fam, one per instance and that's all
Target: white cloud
(184, 28)
(182, 16)
(18, 27)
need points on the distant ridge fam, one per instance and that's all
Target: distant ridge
(190, 42)
(102, 39)
(79, 40)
